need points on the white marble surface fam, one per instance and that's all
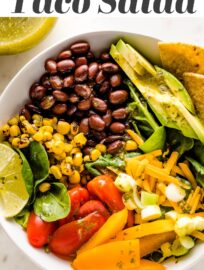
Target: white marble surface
(186, 30)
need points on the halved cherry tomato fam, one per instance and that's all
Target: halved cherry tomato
(70, 237)
(103, 187)
(93, 206)
(78, 196)
(39, 231)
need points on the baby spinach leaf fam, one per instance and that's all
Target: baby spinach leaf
(199, 170)
(39, 161)
(179, 142)
(199, 152)
(27, 173)
(22, 218)
(54, 204)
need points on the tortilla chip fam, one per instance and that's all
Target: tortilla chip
(179, 58)
(194, 84)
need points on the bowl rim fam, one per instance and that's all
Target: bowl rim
(5, 92)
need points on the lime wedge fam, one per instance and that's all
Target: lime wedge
(13, 192)
(20, 34)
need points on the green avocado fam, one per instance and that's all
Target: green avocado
(135, 59)
(177, 88)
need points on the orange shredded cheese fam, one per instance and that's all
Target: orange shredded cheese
(195, 204)
(198, 235)
(135, 137)
(177, 170)
(188, 174)
(176, 207)
(152, 182)
(171, 161)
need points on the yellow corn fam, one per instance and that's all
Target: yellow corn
(24, 142)
(81, 168)
(80, 139)
(95, 154)
(37, 120)
(47, 122)
(14, 120)
(75, 177)
(14, 131)
(58, 147)
(56, 172)
(60, 157)
(5, 130)
(75, 150)
(47, 136)
(15, 142)
(29, 128)
(78, 159)
(101, 147)
(23, 136)
(74, 128)
(47, 129)
(66, 168)
(63, 127)
(58, 137)
(22, 118)
(44, 187)
(69, 160)
(38, 136)
(48, 144)
(87, 158)
(68, 147)
(130, 145)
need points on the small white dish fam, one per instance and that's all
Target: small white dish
(16, 94)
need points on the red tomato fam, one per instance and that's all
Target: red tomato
(70, 237)
(39, 231)
(78, 196)
(93, 206)
(103, 187)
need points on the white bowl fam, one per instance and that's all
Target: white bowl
(16, 94)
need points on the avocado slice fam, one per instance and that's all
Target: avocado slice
(135, 59)
(177, 88)
(163, 104)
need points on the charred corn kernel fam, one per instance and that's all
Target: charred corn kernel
(80, 139)
(74, 128)
(44, 187)
(66, 168)
(29, 128)
(23, 136)
(14, 120)
(58, 147)
(69, 160)
(15, 142)
(95, 154)
(58, 137)
(130, 145)
(81, 168)
(60, 157)
(5, 130)
(77, 159)
(75, 150)
(47, 122)
(87, 158)
(56, 172)
(46, 129)
(14, 131)
(24, 142)
(38, 136)
(47, 136)
(101, 147)
(75, 177)
(63, 127)
(68, 147)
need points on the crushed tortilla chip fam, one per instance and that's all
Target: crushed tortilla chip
(194, 84)
(179, 58)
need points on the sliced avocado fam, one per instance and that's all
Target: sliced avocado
(155, 142)
(135, 59)
(177, 88)
(162, 104)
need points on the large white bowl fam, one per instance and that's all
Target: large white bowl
(16, 94)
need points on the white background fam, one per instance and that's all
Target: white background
(175, 29)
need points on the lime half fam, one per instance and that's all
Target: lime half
(13, 192)
(20, 34)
